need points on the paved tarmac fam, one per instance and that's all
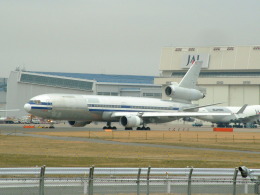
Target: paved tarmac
(99, 127)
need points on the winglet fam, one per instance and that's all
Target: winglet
(242, 109)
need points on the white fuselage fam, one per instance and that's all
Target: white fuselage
(98, 108)
(250, 114)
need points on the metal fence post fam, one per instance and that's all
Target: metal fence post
(85, 184)
(138, 181)
(41, 183)
(246, 187)
(257, 185)
(148, 182)
(235, 181)
(189, 181)
(90, 181)
(168, 184)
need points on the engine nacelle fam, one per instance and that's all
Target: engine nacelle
(131, 121)
(183, 93)
(79, 123)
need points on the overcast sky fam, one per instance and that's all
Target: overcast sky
(117, 36)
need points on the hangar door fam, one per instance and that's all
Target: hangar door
(133, 92)
(243, 94)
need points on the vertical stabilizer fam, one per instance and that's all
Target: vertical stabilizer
(191, 77)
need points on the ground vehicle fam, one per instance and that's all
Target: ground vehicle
(197, 124)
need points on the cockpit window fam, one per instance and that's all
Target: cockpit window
(35, 101)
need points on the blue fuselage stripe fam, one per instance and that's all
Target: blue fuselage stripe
(41, 108)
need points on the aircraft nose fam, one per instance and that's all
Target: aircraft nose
(27, 107)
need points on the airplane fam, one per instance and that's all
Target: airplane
(80, 110)
(247, 115)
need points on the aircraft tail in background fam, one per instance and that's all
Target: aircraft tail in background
(191, 77)
(187, 90)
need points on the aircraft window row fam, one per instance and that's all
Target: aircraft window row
(57, 82)
(104, 106)
(133, 107)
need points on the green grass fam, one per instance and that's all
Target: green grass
(18, 151)
(19, 160)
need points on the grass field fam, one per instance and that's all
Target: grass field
(238, 141)
(18, 151)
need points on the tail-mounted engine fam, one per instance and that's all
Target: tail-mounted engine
(182, 93)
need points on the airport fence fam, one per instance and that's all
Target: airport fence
(90, 180)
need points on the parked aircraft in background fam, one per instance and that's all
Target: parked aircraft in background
(248, 116)
(3, 118)
(81, 110)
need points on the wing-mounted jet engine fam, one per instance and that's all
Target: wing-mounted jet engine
(187, 90)
(131, 121)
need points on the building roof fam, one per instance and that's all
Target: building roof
(106, 78)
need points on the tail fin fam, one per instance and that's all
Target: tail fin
(190, 78)
(242, 109)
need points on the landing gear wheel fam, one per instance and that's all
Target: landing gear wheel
(51, 125)
(108, 126)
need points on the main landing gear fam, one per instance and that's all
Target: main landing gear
(109, 126)
(143, 128)
(139, 128)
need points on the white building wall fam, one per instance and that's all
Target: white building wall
(221, 58)
(232, 91)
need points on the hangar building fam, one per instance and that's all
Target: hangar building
(3, 89)
(23, 85)
(229, 74)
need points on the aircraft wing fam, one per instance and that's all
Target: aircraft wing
(167, 114)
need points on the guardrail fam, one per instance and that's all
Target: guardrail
(92, 180)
